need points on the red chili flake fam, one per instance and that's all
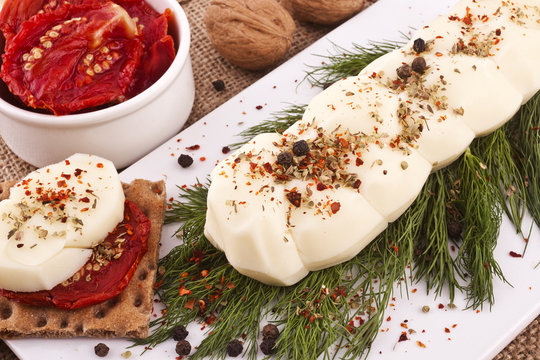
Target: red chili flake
(421, 344)
(335, 207)
(189, 304)
(403, 337)
(66, 176)
(321, 187)
(61, 183)
(183, 291)
(230, 285)
(193, 147)
(311, 319)
(486, 265)
(498, 32)
(404, 325)
(203, 158)
(204, 273)
(441, 306)
(414, 290)
(453, 326)
(77, 172)
(27, 192)
(514, 254)
(395, 249)
(268, 167)
(359, 161)
(252, 166)
(225, 149)
(67, 162)
(446, 330)
(258, 107)
(85, 199)
(99, 165)
(357, 184)
(389, 318)
(294, 198)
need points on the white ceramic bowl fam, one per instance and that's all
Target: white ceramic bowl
(122, 133)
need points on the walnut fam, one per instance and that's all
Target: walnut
(251, 34)
(325, 12)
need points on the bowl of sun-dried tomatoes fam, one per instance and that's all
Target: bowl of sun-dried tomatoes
(108, 77)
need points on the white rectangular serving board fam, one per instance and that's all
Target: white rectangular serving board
(472, 334)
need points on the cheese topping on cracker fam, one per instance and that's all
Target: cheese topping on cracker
(53, 218)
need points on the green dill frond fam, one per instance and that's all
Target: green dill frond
(340, 63)
(433, 261)
(482, 215)
(279, 122)
(502, 162)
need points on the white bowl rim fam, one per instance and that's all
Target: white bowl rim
(118, 110)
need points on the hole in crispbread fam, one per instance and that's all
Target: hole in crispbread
(79, 329)
(64, 323)
(41, 322)
(143, 275)
(138, 301)
(113, 302)
(156, 188)
(99, 313)
(5, 312)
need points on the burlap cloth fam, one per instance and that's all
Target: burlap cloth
(209, 66)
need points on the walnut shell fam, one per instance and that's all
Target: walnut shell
(324, 12)
(251, 34)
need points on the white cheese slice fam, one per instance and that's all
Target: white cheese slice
(358, 104)
(517, 35)
(323, 229)
(247, 216)
(390, 179)
(52, 219)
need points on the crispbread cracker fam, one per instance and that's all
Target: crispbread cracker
(126, 315)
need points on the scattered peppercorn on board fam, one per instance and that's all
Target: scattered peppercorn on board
(442, 332)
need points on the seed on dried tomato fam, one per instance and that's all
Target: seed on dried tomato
(270, 331)
(419, 45)
(357, 184)
(404, 71)
(294, 198)
(179, 333)
(285, 158)
(101, 350)
(235, 348)
(183, 347)
(185, 160)
(419, 65)
(219, 85)
(268, 346)
(300, 148)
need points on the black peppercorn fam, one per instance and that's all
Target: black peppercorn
(235, 348)
(270, 331)
(179, 333)
(419, 45)
(285, 158)
(419, 65)
(219, 85)
(185, 160)
(404, 71)
(454, 228)
(268, 346)
(183, 347)
(300, 148)
(101, 350)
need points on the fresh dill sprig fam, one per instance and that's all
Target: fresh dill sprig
(279, 122)
(341, 62)
(433, 262)
(500, 159)
(528, 143)
(482, 215)
(191, 208)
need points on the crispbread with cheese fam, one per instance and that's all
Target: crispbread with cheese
(126, 315)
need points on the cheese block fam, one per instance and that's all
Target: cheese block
(365, 146)
(247, 215)
(53, 218)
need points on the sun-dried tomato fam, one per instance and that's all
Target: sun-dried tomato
(73, 58)
(103, 283)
